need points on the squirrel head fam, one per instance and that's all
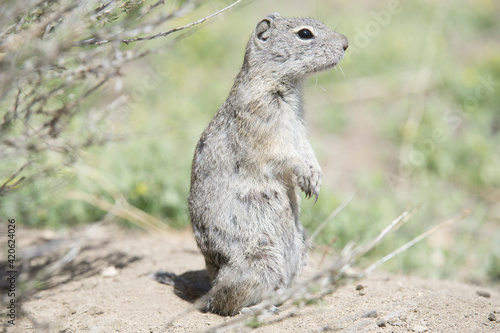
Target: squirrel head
(293, 48)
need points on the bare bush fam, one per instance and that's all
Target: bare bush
(54, 55)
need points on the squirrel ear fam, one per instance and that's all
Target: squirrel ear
(263, 29)
(274, 16)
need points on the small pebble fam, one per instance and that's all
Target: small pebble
(370, 314)
(382, 322)
(419, 328)
(360, 287)
(109, 271)
(396, 323)
(483, 293)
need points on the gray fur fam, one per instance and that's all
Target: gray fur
(252, 161)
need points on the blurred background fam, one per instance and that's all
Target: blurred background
(409, 120)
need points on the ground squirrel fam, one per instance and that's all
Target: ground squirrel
(251, 161)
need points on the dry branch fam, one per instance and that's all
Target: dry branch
(53, 59)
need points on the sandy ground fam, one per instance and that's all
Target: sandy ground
(107, 288)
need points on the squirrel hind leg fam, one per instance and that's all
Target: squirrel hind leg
(227, 299)
(236, 288)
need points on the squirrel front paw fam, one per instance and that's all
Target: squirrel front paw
(311, 183)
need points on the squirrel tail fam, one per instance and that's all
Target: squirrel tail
(189, 286)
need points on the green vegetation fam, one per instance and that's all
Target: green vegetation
(421, 85)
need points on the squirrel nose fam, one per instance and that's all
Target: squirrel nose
(345, 42)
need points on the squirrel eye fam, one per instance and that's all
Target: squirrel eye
(305, 34)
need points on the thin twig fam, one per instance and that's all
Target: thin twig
(326, 250)
(330, 218)
(123, 210)
(418, 98)
(169, 16)
(361, 250)
(121, 207)
(417, 239)
(5, 186)
(189, 25)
